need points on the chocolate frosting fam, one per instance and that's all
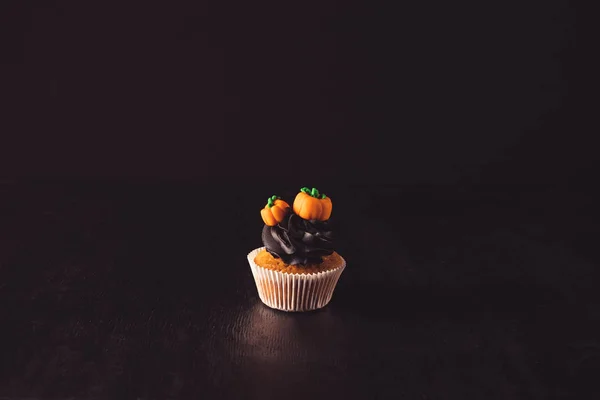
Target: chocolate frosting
(298, 241)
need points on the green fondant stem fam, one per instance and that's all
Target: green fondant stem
(271, 200)
(313, 193)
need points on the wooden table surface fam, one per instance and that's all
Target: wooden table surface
(142, 290)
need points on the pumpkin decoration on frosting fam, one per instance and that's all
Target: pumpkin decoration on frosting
(312, 205)
(274, 211)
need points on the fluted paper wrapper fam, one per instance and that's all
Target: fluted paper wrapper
(294, 292)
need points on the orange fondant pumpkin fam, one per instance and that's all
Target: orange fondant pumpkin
(274, 211)
(312, 205)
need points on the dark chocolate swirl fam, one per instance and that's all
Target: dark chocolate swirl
(298, 241)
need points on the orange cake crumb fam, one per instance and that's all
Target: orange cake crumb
(266, 260)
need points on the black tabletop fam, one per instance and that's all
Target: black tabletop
(142, 290)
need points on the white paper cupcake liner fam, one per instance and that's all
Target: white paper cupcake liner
(294, 292)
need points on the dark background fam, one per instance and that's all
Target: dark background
(432, 93)
(138, 142)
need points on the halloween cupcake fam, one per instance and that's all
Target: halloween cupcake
(297, 269)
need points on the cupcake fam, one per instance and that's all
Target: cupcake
(297, 268)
